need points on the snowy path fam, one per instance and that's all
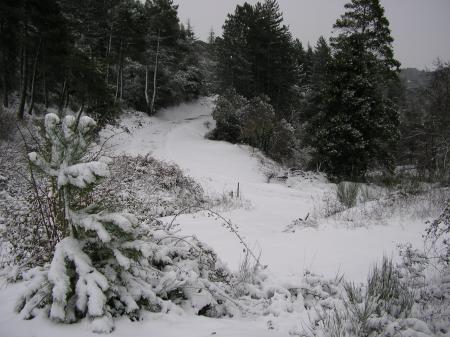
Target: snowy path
(177, 135)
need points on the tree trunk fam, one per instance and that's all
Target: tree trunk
(152, 107)
(24, 81)
(121, 80)
(118, 82)
(66, 104)
(5, 82)
(108, 53)
(80, 112)
(33, 80)
(147, 98)
(62, 95)
(21, 68)
(45, 90)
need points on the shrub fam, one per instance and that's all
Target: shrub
(148, 188)
(438, 236)
(258, 122)
(228, 116)
(347, 193)
(385, 286)
(284, 144)
(254, 122)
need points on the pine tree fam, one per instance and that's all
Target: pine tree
(316, 82)
(256, 54)
(9, 35)
(234, 64)
(359, 122)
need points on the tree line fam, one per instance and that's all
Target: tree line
(339, 107)
(96, 55)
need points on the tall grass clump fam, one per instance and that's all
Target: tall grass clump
(369, 309)
(347, 193)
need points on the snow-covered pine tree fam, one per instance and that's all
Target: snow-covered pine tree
(105, 265)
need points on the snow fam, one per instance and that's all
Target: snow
(152, 325)
(83, 174)
(329, 248)
(90, 283)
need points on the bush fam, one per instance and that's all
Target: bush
(148, 188)
(284, 144)
(228, 116)
(438, 236)
(347, 193)
(253, 122)
(258, 123)
(386, 287)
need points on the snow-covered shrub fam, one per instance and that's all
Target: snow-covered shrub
(248, 273)
(258, 124)
(427, 274)
(284, 144)
(186, 84)
(338, 201)
(227, 113)
(386, 287)
(328, 206)
(438, 236)
(347, 193)
(27, 240)
(253, 122)
(24, 199)
(148, 188)
(105, 264)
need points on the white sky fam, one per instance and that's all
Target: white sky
(421, 28)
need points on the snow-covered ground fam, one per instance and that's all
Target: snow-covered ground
(331, 248)
(177, 135)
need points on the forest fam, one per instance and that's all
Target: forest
(286, 99)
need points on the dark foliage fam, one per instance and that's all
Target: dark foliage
(96, 55)
(357, 119)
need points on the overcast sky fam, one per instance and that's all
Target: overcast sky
(421, 28)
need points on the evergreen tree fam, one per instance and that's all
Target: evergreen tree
(358, 125)
(234, 60)
(9, 35)
(256, 54)
(316, 81)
